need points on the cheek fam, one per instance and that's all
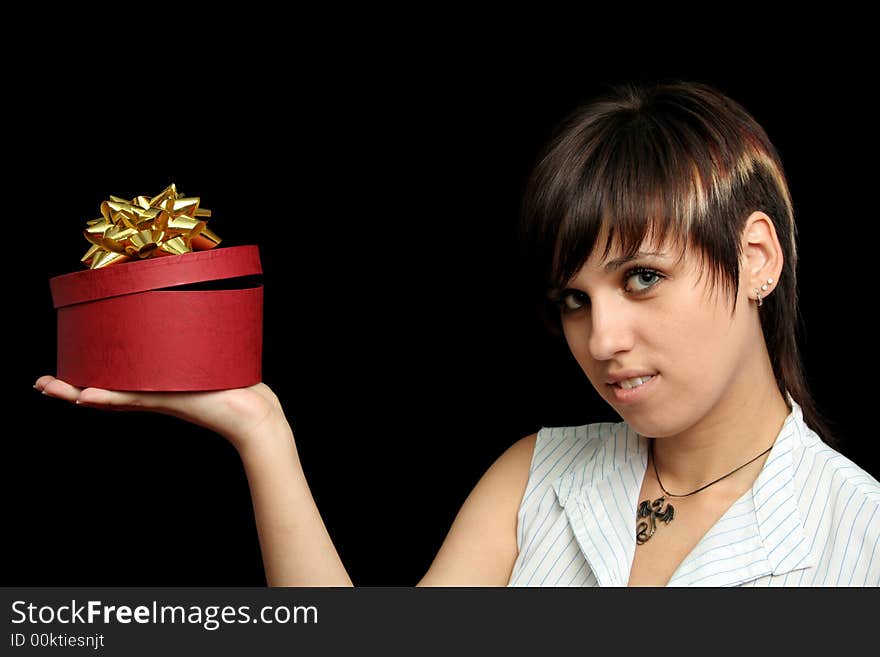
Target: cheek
(702, 340)
(675, 330)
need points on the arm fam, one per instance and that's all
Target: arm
(480, 548)
(296, 547)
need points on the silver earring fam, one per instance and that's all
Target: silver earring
(764, 287)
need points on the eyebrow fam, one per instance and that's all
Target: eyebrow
(617, 263)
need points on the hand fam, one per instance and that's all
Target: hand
(236, 414)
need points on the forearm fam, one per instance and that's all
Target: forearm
(297, 549)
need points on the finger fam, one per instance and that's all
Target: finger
(57, 388)
(111, 399)
(175, 403)
(119, 400)
(40, 383)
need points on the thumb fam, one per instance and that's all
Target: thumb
(117, 400)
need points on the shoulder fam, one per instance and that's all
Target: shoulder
(839, 505)
(521, 452)
(822, 471)
(509, 474)
(480, 548)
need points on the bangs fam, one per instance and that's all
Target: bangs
(642, 192)
(645, 182)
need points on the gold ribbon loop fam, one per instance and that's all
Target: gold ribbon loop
(166, 224)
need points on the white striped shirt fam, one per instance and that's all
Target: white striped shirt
(811, 518)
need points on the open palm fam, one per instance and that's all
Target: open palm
(235, 414)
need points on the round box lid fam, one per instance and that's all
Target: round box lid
(154, 274)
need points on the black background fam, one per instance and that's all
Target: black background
(383, 196)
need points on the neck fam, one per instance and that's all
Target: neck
(744, 423)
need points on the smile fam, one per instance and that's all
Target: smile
(632, 390)
(634, 382)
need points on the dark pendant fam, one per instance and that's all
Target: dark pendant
(652, 512)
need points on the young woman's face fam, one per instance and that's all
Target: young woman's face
(655, 316)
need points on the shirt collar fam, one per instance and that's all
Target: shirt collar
(600, 495)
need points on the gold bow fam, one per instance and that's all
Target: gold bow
(147, 227)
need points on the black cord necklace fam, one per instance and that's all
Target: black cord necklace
(654, 511)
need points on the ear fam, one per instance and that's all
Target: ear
(762, 255)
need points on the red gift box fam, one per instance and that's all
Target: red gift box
(125, 327)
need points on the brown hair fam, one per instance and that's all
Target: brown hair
(685, 162)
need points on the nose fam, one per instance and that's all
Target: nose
(611, 328)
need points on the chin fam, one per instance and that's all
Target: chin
(650, 425)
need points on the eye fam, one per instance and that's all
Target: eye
(645, 279)
(567, 301)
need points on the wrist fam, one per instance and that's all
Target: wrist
(269, 437)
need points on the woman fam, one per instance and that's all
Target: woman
(660, 222)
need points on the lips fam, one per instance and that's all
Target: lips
(623, 375)
(630, 395)
(634, 382)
